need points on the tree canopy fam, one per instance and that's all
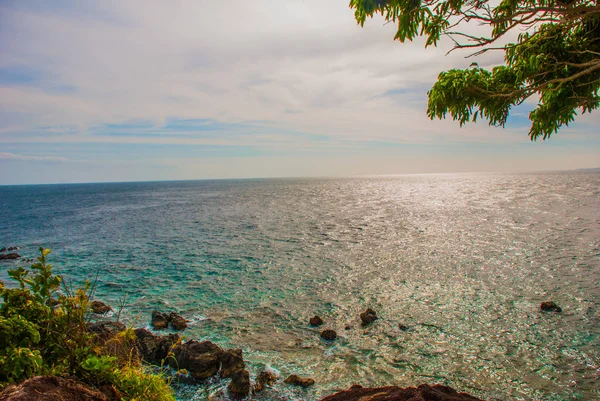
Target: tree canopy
(555, 58)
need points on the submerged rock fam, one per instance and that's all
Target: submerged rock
(3, 249)
(315, 321)
(264, 380)
(54, 388)
(201, 359)
(153, 348)
(368, 317)
(178, 322)
(10, 256)
(240, 384)
(422, 393)
(299, 381)
(100, 307)
(550, 306)
(160, 320)
(328, 335)
(231, 362)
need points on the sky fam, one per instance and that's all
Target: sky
(163, 90)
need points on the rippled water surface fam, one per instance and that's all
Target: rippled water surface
(462, 260)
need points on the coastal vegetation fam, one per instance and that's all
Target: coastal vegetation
(554, 60)
(44, 330)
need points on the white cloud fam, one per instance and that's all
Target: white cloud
(46, 159)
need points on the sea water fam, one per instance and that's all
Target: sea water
(462, 260)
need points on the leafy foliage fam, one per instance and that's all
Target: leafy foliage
(556, 59)
(45, 332)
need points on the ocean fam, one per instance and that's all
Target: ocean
(462, 260)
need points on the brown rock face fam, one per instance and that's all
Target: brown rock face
(328, 335)
(52, 389)
(202, 360)
(263, 380)
(368, 317)
(152, 348)
(299, 381)
(550, 306)
(100, 307)
(422, 393)
(160, 320)
(232, 361)
(315, 321)
(105, 330)
(178, 322)
(240, 384)
(10, 256)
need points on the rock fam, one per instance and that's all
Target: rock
(315, 321)
(104, 331)
(178, 322)
(13, 248)
(263, 380)
(51, 388)
(100, 307)
(160, 320)
(347, 327)
(328, 335)
(240, 384)
(3, 249)
(10, 256)
(153, 348)
(231, 362)
(550, 306)
(422, 393)
(299, 381)
(202, 360)
(403, 327)
(368, 316)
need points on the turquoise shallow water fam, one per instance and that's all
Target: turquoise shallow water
(462, 260)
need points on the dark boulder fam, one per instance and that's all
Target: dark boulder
(368, 316)
(240, 384)
(3, 249)
(104, 331)
(299, 381)
(403, 327)
(13, 248)
(315, 321)
(52, 389)
(153, 348)
(178, 322)
(550, 306)
(328, 335)
(100, 307)
(201, 359)
(231, 362)
(160, 320)
(423, 393)
(264, 380)
(10, 256)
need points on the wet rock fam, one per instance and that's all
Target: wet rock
(231, 362)
(153, 348)
(403, 327)
(299, 381)
(10, 256)
(240, 384)
(51, 389)
(422, 393)
(315, 321)
(100, 307)
(328, 335)
(13, 248)
(160, 320)
(178, 322)
(3, 249)
(201, 359)
(550, 306)
(368, 317)
(264, 380)
(104, 331)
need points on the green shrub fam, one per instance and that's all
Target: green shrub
(44, 332)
